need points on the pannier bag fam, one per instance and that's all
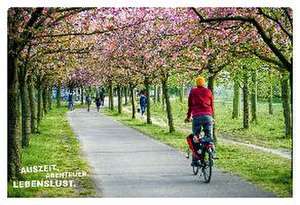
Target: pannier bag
(194, 147)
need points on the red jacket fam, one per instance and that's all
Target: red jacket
(200, 102)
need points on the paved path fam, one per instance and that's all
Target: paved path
(127, 163)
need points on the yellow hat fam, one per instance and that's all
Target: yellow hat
(200, 81)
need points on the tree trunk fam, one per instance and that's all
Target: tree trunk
(254, 96)
(39, 104)
(32, 102)
(245, 100)
(132, 100)
(211, 86)
(291, 101)
(58, 95)
(236, 100)
(158, 94)
(154, 96)
(181, 90)
(49, 97)
(270, 98)
(162, 99)
(25, 107)
(168, 105)
(81, 95)
(111, 97)
(126, 95)
(13, 148)
(45, 100)
(147, 86)
(285, 95)
(119, 99)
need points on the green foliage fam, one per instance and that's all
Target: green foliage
(179, 79)
(266, 75)
(56, 144)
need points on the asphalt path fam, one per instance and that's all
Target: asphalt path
(126, 163)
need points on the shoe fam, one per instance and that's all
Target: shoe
(187, 155)
(214, 155)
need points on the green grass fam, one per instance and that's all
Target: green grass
(269, 172)
(56, 144)
(267, 132)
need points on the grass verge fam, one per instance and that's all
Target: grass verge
(267, 131)
(268, 171)
(55, 145)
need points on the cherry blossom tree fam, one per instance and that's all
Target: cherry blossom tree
(130, 47)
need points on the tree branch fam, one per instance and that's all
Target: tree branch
(277, 22)
(68, 51)
(288, 16)
(268, 60)
(71, 11)
(25, 35)
(259, 29)
(94, 32)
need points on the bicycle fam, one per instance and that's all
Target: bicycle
(204, 156)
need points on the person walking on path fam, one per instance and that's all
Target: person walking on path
(143, 102)
(102, 96)
(98, 102)
(88, 101)
(70, 102)
(201, 109)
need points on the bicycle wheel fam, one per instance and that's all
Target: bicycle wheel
(207, 167)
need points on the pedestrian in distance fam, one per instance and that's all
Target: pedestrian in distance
(70, 102)
(102, 96)
(143, 102)
(88, 101)
(98, 102)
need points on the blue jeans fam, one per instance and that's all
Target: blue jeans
(143, 109)
(70, 105)
(203, 122)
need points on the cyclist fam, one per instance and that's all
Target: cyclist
(200, 109)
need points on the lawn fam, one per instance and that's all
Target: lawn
(57, 145)
(268, 131)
